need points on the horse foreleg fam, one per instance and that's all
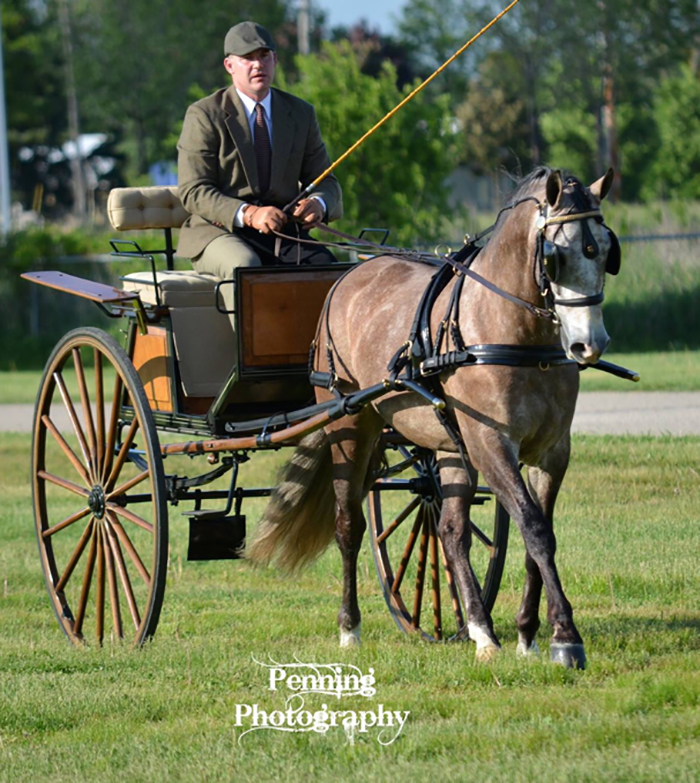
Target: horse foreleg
(500, 468)
(543, 485)
(353, 442)
(458, 487)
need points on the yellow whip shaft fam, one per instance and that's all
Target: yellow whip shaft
(387, 117)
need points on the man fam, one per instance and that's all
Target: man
(244, 154)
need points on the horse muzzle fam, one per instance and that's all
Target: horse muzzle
(588, 353)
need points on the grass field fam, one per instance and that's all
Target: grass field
(628, 542)
(666, 371)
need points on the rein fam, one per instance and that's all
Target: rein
(460, 268)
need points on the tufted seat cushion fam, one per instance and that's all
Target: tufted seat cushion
(176, 288)
(138, 208)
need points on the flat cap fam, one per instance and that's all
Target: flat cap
(246, 37)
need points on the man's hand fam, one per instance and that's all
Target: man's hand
(264, 219)
(309, 212)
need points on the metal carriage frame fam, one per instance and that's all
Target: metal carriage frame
(101, 485)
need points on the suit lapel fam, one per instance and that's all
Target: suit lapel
(282, 136)
(237, 123)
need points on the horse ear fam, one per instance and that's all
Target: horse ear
(601, 187)
(555, 186)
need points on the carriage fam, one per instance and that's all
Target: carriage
(111, 420)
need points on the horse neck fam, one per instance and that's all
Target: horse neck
(507, 261)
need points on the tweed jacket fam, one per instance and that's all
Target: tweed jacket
(217, 171)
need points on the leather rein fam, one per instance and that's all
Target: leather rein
(468, 250)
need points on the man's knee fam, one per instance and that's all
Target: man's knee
(225, 253)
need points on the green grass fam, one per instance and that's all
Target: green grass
(659, 371)
(628, 544)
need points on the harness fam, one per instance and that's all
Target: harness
(417, 363)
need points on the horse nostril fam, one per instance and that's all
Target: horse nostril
(585, 354)
(578, 350)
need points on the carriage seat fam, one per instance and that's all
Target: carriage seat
(204, 340)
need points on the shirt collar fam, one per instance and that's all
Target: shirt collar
(250, 104)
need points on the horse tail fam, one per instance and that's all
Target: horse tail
(299, 521)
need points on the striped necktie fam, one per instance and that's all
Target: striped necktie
(263, 150)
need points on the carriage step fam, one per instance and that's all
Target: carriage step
(216, 537)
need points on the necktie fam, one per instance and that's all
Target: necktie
(263, 150)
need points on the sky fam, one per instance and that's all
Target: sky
(378, 13)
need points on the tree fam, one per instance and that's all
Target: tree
(396, 179)
(136, 62)
(34, 89)
(676, 170)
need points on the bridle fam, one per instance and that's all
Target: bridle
(548, 255)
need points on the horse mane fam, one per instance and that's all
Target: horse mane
(532, 184)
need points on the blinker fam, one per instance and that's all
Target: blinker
(551, 260)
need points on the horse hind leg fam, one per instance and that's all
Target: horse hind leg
(354, 450)
(458, 487)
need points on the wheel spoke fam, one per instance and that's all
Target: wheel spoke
(405, 559)
(123, 574)
(75, 556)
(117, 509)
(123, 454)
(67, 450)
(67, 521)
(100, 598)
(64, 483)
(113, 426)
(435, 577)
(481, 535)
(113, 591)
(73, 416)
(399, 519)
(130, 484)
(87, 579)
(420, 573)
(100, 410)
(87, 410)
(130, 548)
(456, 606)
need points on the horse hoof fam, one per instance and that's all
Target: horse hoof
(570, 655)
(350, 638)
(487, 653)
(522, 651)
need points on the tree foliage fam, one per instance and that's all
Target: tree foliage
(396, 178)
(676, 170)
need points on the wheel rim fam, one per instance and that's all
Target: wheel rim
(417, 580)
(100, 513)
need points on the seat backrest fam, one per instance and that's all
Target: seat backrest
(139, 208)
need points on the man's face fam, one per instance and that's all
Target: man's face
(252, 73)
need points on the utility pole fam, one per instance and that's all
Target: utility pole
(303, 26)
(76, 163)
(5, 196)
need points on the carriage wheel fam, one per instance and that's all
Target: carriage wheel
(99, 492)
(418, 583)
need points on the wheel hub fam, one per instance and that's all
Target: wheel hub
(96, 501)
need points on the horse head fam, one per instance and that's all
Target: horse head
(574, 251)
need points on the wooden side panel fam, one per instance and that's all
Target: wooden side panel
(153, 363)
(279, 314)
